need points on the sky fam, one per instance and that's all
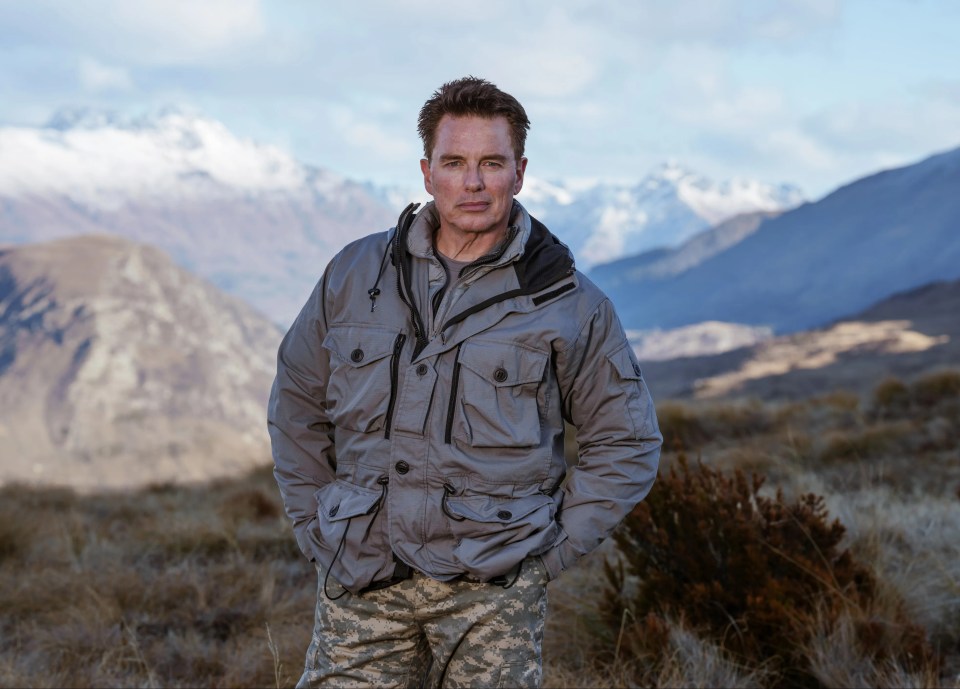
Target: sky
(810, 92)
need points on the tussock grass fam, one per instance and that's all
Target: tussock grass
(179, 587)
(166, 587)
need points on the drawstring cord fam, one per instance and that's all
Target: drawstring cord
(374, 291)
(383, 481)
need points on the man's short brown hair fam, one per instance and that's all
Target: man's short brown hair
(477, 97)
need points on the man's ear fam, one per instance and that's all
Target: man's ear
(521, 170)
(425, 169)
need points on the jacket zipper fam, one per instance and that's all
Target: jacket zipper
(403, 224)
(452, 404)
(394, 375)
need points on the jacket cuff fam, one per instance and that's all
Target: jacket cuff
(559, 558)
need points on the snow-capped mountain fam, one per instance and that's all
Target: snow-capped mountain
(250, 218)
(606, 222)
(262, 225)
(891, 231)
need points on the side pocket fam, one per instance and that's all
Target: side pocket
(342, 506)
(525, 673)
(630, 380)
(493, 533)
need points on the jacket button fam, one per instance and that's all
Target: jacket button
(422, 370)
(636, 369)
(402, 467)
(356, 356)
(504, 514)
(500, 375)
(333, 511)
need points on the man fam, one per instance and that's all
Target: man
(417, 421)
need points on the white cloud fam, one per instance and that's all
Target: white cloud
(372, 137)
(146, 31)
(97, 77)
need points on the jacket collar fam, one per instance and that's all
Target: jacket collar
(538, 258)
(419, 239)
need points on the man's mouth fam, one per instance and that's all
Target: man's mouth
(474, 205)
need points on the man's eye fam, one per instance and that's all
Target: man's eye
(452, 163)
(492, 163)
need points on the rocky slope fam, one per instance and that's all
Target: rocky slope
(118, 368)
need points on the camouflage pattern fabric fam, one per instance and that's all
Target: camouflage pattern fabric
(427, 633)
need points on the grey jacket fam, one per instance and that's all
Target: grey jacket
(426, 426)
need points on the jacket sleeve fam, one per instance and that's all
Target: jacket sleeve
(300, 431)
(605, 397)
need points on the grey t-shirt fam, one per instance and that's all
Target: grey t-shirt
(453, 268)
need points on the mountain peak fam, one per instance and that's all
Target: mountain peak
(118, 368)
(74, 117)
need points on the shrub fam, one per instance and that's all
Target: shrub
(870, 443)
(752, 573)
(930, 390)
(684, 427)
(890, 397)
(681, 428)
(14, 536)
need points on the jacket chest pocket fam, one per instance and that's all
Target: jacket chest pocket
(361, 385)
(499, 386)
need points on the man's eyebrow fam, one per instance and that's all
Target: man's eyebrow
(491, 156)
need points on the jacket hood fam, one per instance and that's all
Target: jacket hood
(541, 261)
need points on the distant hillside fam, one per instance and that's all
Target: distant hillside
(886, 233)
(118, 368)
(662, 263)
(904, 335)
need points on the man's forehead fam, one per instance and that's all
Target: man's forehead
(458, 134)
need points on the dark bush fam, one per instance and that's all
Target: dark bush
(890, 397)
(748, 571)
(686, 427)
(934, 388)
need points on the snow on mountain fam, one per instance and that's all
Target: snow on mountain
(99, 160)
(606, 222)
(891, 231)
(248, 217)
(257, 222)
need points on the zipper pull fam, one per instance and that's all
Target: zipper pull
(374, 293)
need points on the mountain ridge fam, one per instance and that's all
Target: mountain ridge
(259, 223)
(875, 236)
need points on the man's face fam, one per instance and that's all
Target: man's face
(473, 174)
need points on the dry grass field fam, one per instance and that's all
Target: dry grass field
(204, 586)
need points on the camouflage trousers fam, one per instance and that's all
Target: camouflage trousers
(427, 633)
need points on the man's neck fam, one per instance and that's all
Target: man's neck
(467, 246)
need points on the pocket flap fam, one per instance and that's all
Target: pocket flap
(624, 362)
(503, 364)
(488, 509)
(341, 500)
(360, 346)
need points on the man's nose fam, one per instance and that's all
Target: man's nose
(474, 180)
